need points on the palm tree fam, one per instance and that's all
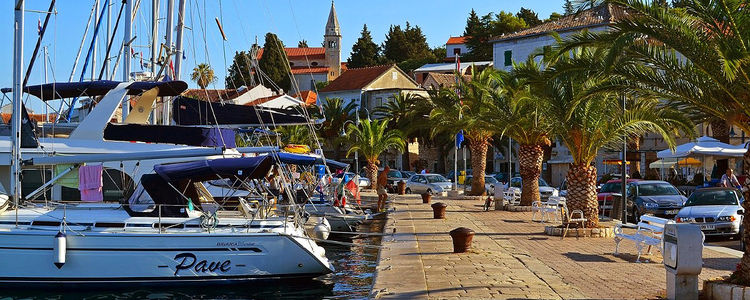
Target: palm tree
(711, 76)
(522, 117)
(335, 113)
(469, 111)
(403, 113)
(587, 117)
(296, 134)
(371, 138)
(203, 75)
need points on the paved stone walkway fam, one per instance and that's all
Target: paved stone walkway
(511, 259)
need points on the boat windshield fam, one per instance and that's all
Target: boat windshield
(141, 201)
(713, 197)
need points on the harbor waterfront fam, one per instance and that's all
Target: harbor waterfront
(512, 258)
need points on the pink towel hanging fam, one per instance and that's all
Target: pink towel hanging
(90, 183)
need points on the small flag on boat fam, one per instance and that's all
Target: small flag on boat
(132, 52)
(39, 26)
(171, 68)
(354, 189)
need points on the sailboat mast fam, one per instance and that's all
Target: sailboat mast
(15, 167)
(178, 45)
(126, 52)
(166, 107)
(94, 43)
(154, 35)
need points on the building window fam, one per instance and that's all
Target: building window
(457, 51)
(314, 64)
(508, 58)
(331, 44)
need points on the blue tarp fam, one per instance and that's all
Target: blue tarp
(244, 167)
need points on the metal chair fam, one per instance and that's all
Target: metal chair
(574, 217)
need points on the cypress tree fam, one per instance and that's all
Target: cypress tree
(418, 47)
(239, 72)
(365, 52)
(274, 63)
(529, 16)
(396, 45)
(473, 24)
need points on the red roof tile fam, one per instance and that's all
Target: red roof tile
(457, 40)
(306, 70)
(355, 79)
(213, 95)
(301, 53)
(601, 15)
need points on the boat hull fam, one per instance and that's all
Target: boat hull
(108, 258)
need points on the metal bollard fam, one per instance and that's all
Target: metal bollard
(426, 198)
(438, 210)
(401, 187)
(462, 238)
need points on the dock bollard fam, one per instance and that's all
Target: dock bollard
(401, 186)
(426, 198)
(438, 210)
(462, 237)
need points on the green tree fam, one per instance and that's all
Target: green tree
(588, 117)
(439, 53)
(402, 113)
(710, 77)
(239, 72)
(302, 44)
(396, 45)
(492, 25)
(568, 8)
(319, 85)
(473, 25)
(470, 112)
(529, 16)
(522, 117)
(296, 134)
(418, 47)
(203, 75)
(336, 113)
(371, 138)
(365, 52)
(553, 17)
(275, 64)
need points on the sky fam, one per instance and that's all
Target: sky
(242, 21)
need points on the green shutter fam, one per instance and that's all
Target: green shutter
(508, 58)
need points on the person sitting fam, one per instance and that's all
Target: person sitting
(729, 180)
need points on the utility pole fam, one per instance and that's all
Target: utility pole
(126, 53)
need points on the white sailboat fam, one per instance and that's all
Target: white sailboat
(163, 234)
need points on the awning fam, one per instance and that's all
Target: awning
(244, 167)
(704, 146)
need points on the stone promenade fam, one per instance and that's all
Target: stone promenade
(511, 259)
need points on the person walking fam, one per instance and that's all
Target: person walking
(729, 180)
(382, 191)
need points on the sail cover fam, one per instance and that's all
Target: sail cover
(189, 111)
(243, 167)
(60, 90)
(171, 134)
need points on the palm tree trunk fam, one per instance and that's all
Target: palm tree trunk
(742, 274)
(530, 160)
(582, 192)
(478, 148)
(372, 174)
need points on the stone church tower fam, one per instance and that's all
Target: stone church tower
(332, 38)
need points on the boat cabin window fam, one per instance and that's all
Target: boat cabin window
(141, 201)
(116, 186)
(33, 179)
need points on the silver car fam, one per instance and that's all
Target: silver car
(427, 183)
(489, 184)
(718, 211)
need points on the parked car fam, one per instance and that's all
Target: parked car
(363, 181)
(489, 184)
(613, 186)
(718, 211)
(564, 188)
(501, 177)
(394, 176)
(408, 174)
(545, 190)
(428, 183)
(653, 197)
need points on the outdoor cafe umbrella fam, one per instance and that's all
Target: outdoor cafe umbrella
(703, 147)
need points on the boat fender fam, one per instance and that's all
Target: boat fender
(60, 249)
(322, 229)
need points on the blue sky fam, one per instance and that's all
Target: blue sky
(243, 20)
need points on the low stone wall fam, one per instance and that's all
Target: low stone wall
(720, 290)
(603, 232)
(517, 208)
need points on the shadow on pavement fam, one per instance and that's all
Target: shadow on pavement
(581, 257)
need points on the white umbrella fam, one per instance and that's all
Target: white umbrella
(702, 147)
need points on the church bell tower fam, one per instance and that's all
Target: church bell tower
(332, 38)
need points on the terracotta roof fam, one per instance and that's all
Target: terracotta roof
(444, 80)
(299, 53)
(262, 100)
(309, 97)
(457, 40)
(213, 95)
(355, 79)
(36, 117)
(314, 70)
(599, 16)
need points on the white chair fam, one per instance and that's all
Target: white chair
(574, 217)
(552, 209)
(513, 196)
